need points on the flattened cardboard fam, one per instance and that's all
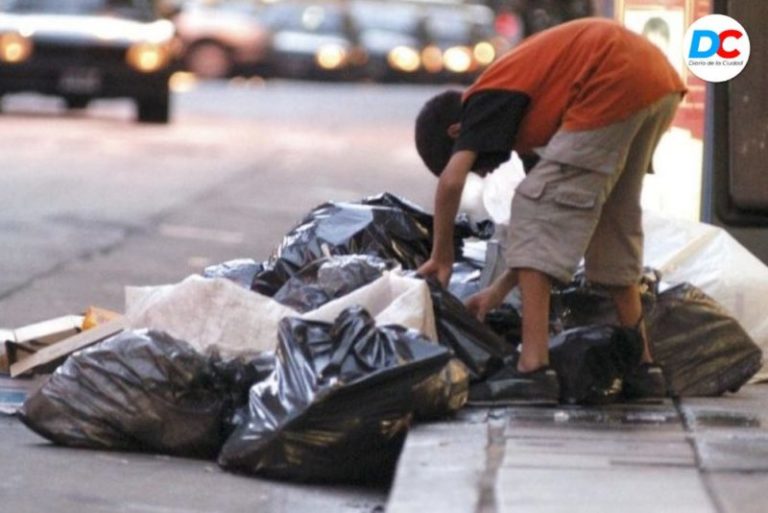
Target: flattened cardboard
(50, 356)
(50, 331)
(27, 340)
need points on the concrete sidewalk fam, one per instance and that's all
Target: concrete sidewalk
(695, 455)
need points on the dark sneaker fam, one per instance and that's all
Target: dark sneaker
(509, 387)
(645, 383)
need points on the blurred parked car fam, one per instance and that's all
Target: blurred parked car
(433, 41)
(462, 40)
(85, 49)
(221, 37)
(393, 35)
(313, 39)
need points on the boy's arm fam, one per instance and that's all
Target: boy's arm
(447, 198)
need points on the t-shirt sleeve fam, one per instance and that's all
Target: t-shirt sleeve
(489, 124)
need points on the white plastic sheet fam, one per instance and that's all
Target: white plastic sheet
(209, 313)
(392, 299)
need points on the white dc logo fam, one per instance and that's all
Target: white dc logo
(716, 48)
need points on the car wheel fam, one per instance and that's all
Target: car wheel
(154, 110)
(76, 102)
(208, 59)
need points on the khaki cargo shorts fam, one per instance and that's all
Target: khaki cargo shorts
(583, 200)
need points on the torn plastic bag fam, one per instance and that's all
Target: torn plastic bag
(591, 362)
(384, 226)
(702, 349)
(330, 278)
(140, 391)
(241, 271)
(338, 404)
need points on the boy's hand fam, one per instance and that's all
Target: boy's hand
(438, 269)
(481, 303)
(492, 296)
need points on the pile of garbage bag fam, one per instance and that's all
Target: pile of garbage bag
(312, 365)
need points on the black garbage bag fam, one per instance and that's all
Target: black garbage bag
(235, 377)
(702, 349)
(241, 271)
(580, 303)
(591, 362)
(474, 343)
(339, 403)
(139, 391)
(330, 278)
(506, 322)
(465, 227)
(384, 226)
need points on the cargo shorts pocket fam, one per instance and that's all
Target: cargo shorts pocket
(576, 198)
(527, 204)
(531, 188)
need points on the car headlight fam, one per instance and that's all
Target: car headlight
(331, 57)
(404, 58)
(484, 53)
(457, 59)
(432, 59)
(148, 57)
(15, 48)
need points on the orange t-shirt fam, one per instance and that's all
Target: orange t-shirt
(581, 75)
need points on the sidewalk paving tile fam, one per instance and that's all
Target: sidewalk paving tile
(738, 492)
(629, 490)
(440, 469)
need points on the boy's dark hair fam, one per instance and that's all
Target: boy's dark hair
(433, 143)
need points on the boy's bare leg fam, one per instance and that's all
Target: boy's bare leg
(630, 311)
(535, 290)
